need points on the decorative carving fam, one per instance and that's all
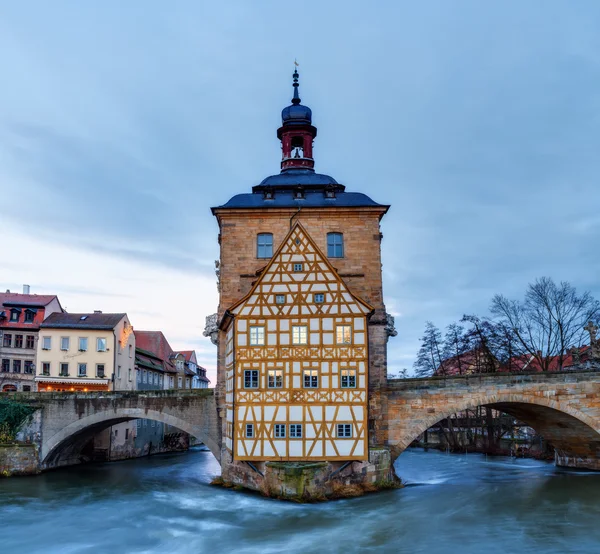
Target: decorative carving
(390, 329)
(594, 343)
(218, 274)
(211, 328)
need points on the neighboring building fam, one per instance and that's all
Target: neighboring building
(184, 375)
(20, 318)
(303, 328)
(156, 344)
(199, 379)
(149, 372)
(86, 352)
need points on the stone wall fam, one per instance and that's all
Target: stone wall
(18, 459)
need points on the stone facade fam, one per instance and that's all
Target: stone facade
(18, 459)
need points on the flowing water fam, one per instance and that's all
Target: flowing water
(453, 504)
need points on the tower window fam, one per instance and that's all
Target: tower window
(280, 299)
(264, 245)
(335, 245)
(298, 267)
(319, 298)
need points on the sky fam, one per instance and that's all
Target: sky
(122, 123)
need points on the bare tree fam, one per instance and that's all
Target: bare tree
(429, 356)
(455, 345)
(549, 321)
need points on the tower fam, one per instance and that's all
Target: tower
(302, 323)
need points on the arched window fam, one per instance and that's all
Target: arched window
(335, 245)
(264, 245)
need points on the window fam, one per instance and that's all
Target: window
(64, 369)
(298, 267)
(319, 298)
(275, 378)
(101, 345)
(26, 388)
(180, 382)
(46, 343)
(82, 370)
(83, 344)
(64, 343)
(257, 336)
(29, 341)
(45, 368)
(335, 245)
(343, 334)
(100, 370)
(5, 366)
(280, 299)
(16, 366)
(348, 378)
(126, 434)
(299, 334)
(118, 372)
(7, 340)
(249, 430)
(138, 375)
(311, 378)
(279, 431)
(18, 341)
(129, 374)
(116, 432)
(344, 430)
(264, 245)
(144, 380)
(28, 367)
(29, 315)
(295, 431)
(131, 350)
(187, 383)
(14, 315)
(251, 379)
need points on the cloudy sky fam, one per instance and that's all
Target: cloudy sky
(122, 123)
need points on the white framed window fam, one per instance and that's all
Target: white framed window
(118, 372)
(144, 376)
(180, 382)
(319, 298)
(344, 430)
(257, 335)
(129, 374)
(101, 344)
(311, 378)
(275, 380)
(45, 368)
(64, 343)
(83, 344)
(131, 350)
(82, 370)
(46, 343)
(343, 334)
(264, 245)
(249, 430)
(138, 375)
(299, 334)
(295, 431)
(64, 369)
(298, 267)
(280, 431)
(251, 379)
(348, 378)
(280, 299)
(335, 245)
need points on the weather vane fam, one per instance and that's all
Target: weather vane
(296, 63)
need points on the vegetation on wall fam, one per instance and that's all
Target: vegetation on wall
(12, 416)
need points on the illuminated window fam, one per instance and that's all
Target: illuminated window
(275, 378)
(82, 370)
(251, 379)
(343, 334)
(348, 378)
(298, 267)
(101, 345)
(295, 431)
(311, 378)
(279, 431)
(280, 299)
(319, 298)
(257, 336)
(264, 245)
(83, 344)
(249, 431)
(299, 334)
(335, 245)
(64, 343)
(344, 430)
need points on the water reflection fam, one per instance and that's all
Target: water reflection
(163, 504)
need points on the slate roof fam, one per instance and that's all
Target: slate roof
(75, 321)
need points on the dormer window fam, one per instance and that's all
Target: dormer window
(268, 194)
(29, 316)
(330, 192)
(298, 194)
(14, 314)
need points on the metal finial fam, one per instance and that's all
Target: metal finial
(296, 98)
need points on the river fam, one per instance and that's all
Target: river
(456, 504)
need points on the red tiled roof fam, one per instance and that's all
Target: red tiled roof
(40, 300)
(187, 354)
(35, 302)
(156, 343)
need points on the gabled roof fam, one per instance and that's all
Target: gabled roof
(156, 343)
(100, 321)
(26, 300)
(187, 354)
(298, 243)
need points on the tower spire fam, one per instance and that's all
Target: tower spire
(296, 98)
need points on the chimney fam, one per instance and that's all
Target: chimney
(26, 289)
(97, 311)
(7, 291)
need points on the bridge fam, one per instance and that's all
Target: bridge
(564, 407)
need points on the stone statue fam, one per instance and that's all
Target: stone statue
(389, 326)
(211, 328)
(594, 343)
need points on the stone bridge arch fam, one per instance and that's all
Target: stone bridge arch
(569, 419)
